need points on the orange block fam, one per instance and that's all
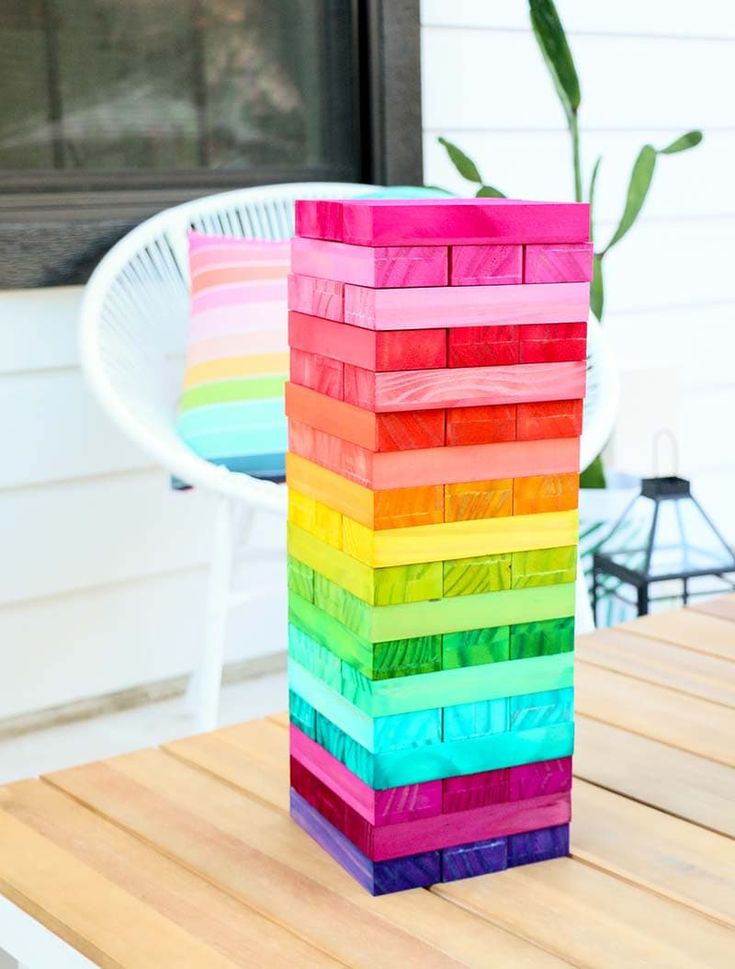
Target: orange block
(405, 507)
(478, 499)
(545, 492)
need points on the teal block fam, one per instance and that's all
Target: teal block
(475, 719)
(541, 709)
(315, 657)
(302, 714)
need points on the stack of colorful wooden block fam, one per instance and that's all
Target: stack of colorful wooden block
(435, 406)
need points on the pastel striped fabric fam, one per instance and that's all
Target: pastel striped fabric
(231, 407)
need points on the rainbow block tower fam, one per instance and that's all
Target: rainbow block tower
(438, 358)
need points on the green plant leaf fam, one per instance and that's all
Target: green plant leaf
(487, 191)
(591, 195)
(463, 163)
(689, 140)
(640, 182)
(593, 475)
(597, 289)
(555, 50)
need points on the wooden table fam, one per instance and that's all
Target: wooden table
(184, 856)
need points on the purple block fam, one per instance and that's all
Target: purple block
(541, 845)
(378, 877)
(479, 858)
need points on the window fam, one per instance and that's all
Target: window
(151, 92)
(114, 109)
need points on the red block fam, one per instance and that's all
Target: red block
(486, 265)
(483, 346)
(317, 372)
(410, 430)
(379, 350)
(481, 425)
(553, 342)
(549, 419)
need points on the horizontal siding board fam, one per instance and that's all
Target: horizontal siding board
(478, 78)
(713, 18)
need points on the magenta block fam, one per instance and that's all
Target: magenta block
(558, 263)
(486, 265)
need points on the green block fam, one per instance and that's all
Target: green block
(544, 566)
(485, 573)
(321, 661)
(475, 647)
(407, 583)
(343, 606)
(542, 638)
(407, 657)
(300, 579)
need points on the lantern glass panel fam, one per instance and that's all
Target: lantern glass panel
(685, 542)
(628, 543)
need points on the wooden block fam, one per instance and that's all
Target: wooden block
(532, 846)
(370, 349)
(484, 573)
(483, 346)
(377, 222)
(378, 877)
(396, 804)
(486, 265)
(393, 508)
(551, 418)
(432, 466)
(412, 620)
(450, 759)
(425, 834)
(478, 858)
(315, 518)
(442, 688)
(475, 647)
(553, 342)
(379, 266)
(542, 638)
(479, 719)
(317, 297)
(464, 386)
(450, 306)
(463, 539)
(320, 373)
(544, 493)
(404, 431)
(406, 657)
(558, 263)
(541, 709)
(511, 784)
(544, 567)
(490, 424)
(300, 579)
(302, 715)
(318, 218)
(465, 501)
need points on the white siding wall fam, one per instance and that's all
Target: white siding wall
(649, 71)
(102, 568)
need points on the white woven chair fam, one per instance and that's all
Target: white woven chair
(133, 330)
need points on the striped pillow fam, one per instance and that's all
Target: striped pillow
(231, 408)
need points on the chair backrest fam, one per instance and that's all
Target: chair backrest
(135, 312)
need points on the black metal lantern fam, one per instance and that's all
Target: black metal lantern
(663, 547)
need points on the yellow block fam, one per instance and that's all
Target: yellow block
(315, 517)
(330, 488)
(456, 540)
(330, 562)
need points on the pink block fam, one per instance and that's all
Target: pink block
(317, 297)
(382, 266)
(395, 222)
(464, 386)
(558, 263)
(449, 306)
(378, 807)
(512, 784)
(486, 265)
(319, 218)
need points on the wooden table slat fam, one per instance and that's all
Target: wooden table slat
(723, 607)
(689, 628)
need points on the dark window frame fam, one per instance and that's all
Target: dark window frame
(51, 236)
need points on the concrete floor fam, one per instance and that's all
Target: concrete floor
(94, 739)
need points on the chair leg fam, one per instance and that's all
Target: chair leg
(206, 680)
